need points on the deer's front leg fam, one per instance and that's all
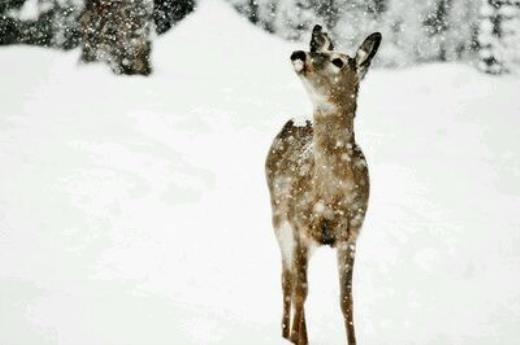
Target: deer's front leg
(346, 253)
(299, 328)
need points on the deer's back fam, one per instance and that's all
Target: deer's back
(289, 166)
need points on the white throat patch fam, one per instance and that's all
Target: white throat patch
(320, 102)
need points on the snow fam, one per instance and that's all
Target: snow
(30, 10)
(135, 210)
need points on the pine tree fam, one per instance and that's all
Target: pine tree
(491, 37)
(461, 35)
(510, 12)
(64, 18)
(295, 18)
(328, 12)
(9, 28)
(118, 32)
(356, 19)
(248, 8)
(167, 13)
(378, 6)
(436, 26)
(267, 12)
(53, 25)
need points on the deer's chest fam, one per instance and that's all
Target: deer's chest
(334, 200)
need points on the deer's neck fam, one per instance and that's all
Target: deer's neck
(334, 138)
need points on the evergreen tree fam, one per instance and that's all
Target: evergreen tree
(248, 8)
(167, 13)
(267, 12)
(64, 23)
(436, 26)
(328, 12)
(355, 20)
(53, 25)
(8, 30)
(378, 6)
(118, 32)
(461, 36)
(295, 18)
(491, 37)
(510, 12)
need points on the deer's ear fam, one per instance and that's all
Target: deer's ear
(366, 53)
(320, 41)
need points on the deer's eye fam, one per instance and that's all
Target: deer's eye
(337, 62)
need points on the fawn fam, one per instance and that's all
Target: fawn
(318, 177)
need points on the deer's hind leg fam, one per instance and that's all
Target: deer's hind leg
(287, 286)
(299, 327)
(285, 237)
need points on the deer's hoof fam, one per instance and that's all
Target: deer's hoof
(286, 335)
(297, 341)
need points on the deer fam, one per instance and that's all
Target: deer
(318, 177)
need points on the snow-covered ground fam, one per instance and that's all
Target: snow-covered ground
(135, 210)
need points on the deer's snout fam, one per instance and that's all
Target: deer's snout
(298, 60)
(298, 55)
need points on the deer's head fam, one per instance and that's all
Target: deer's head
(331, 77)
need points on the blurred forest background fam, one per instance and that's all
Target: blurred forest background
(485, 33)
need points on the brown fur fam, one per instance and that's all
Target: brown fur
(318, 179)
